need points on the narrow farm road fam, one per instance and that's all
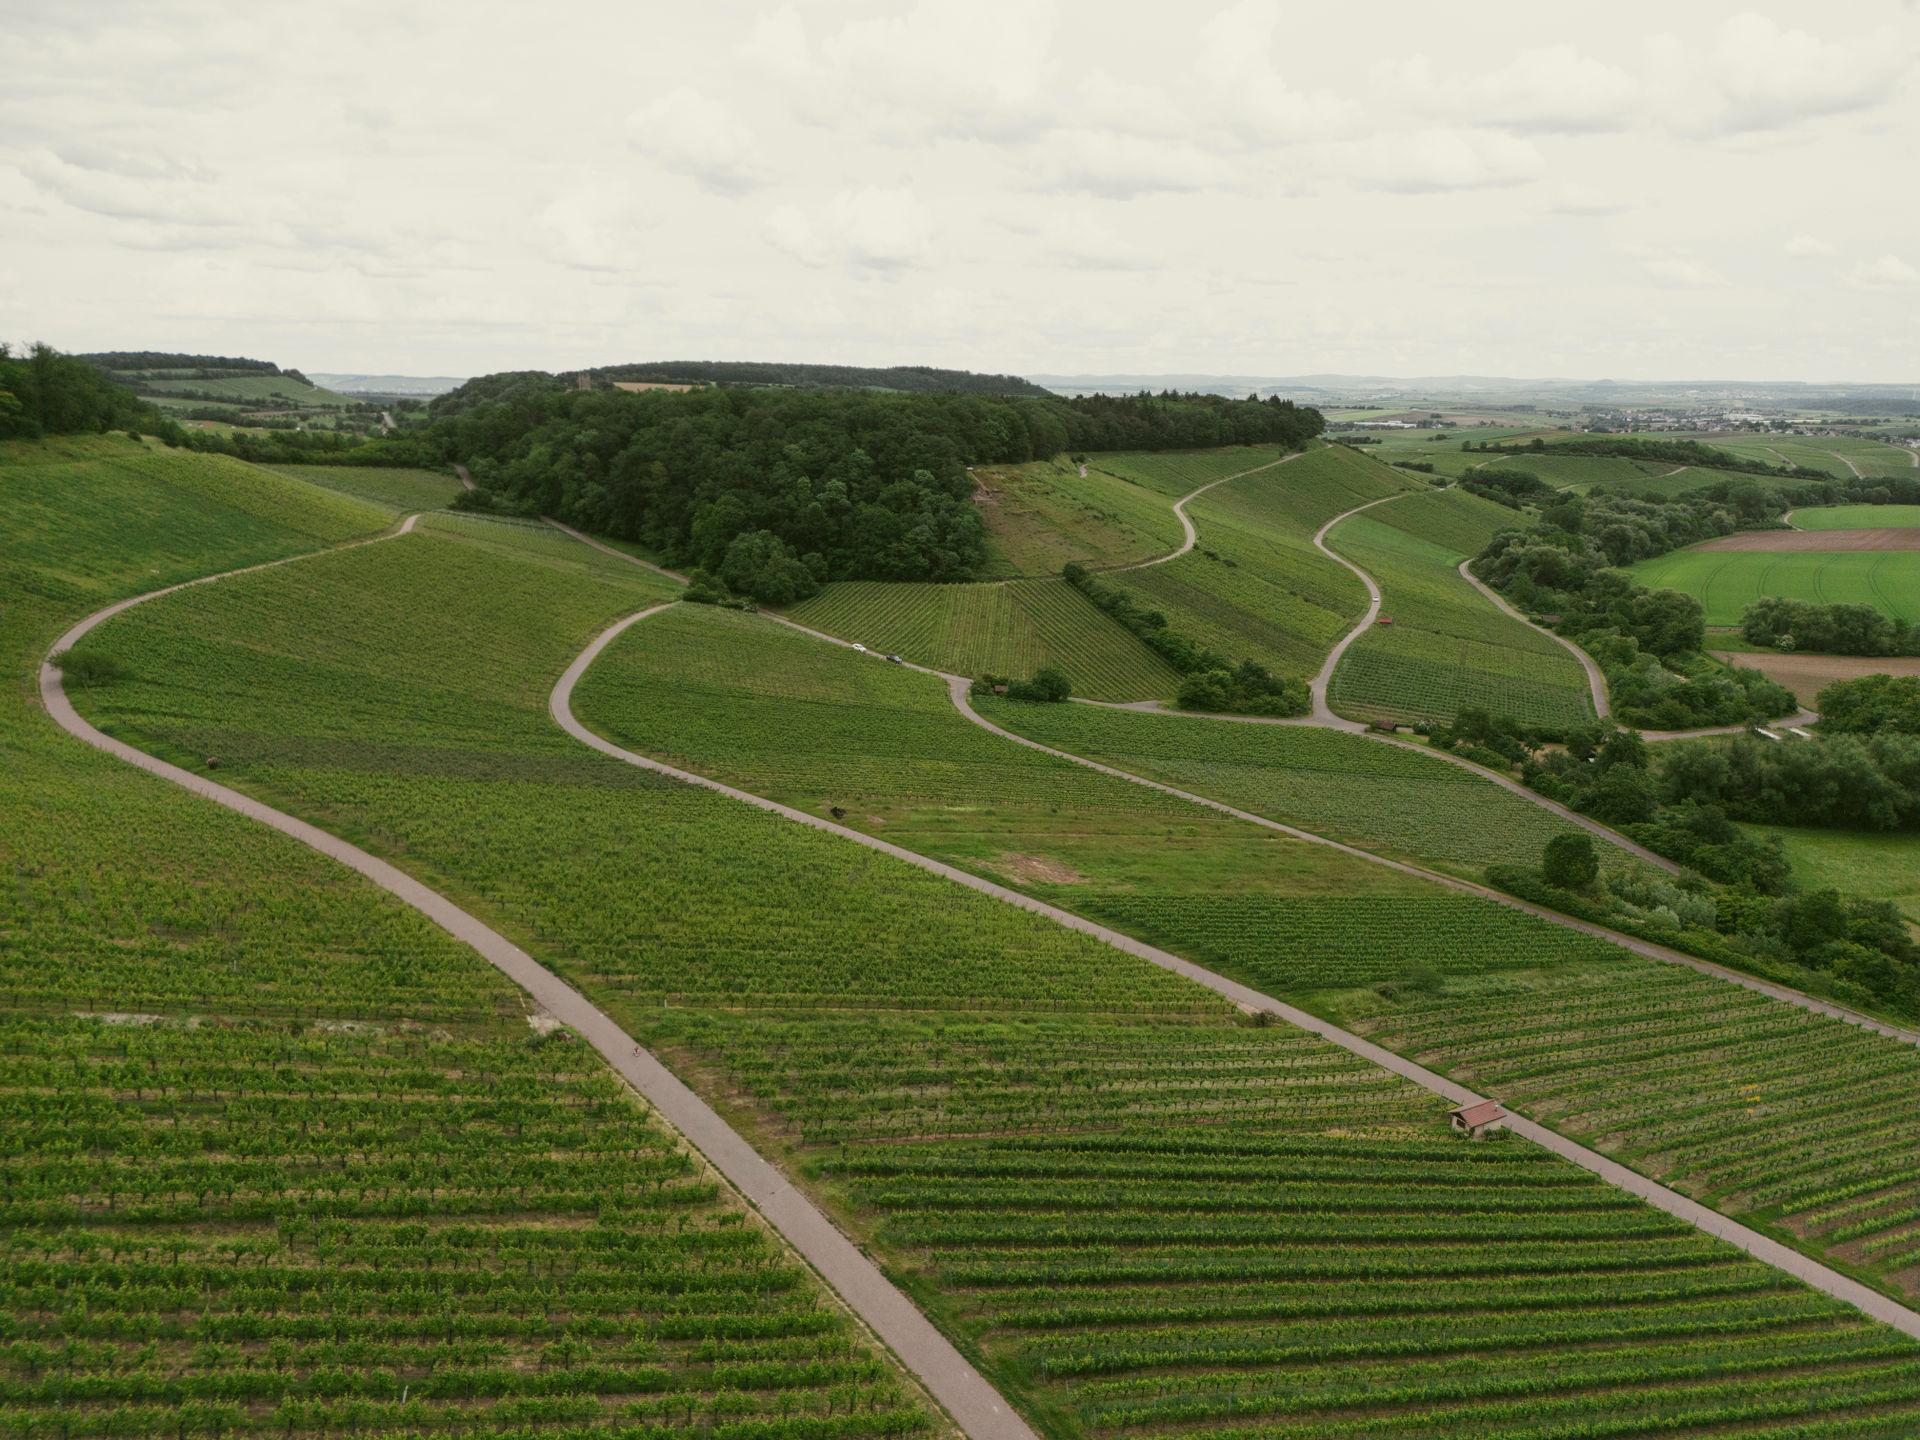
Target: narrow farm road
(1769, 1251)
(1800, 718)
(974, 1404)
(1846, 461)
(606, 549)
(1596, 681)
(1322, 713)
(1180, 514)
(466, 480)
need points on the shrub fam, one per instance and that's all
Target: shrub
(89, 669)
(1569, 862)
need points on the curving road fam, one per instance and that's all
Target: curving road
(975, 1405)
(1761, 1247)
(1596, 681)
(1322, 713)
(1180, 513)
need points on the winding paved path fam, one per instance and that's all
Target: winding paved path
(974, 1404)
(1180, 513)
(1322, 713)
(1761, 1247)
(1596, 681)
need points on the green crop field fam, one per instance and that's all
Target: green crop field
(1254, 587)
(1441, 448)
(1042, 515)
(1581, 473)
(1447, 646)
(1135, 1208)
(1874, 865)
(998, 629)
(1840, 456)
(284, 1158)
(1725, 582)
(1857, 517)
(1374, 795)
(255, 390)
(1785, 1118)
(400, 489)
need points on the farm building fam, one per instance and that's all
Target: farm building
(1479, 1119)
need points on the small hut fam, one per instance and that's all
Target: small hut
(1478, 1120)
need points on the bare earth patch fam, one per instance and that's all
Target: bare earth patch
(1843, 540)
(1037, 869)
(1804, 675)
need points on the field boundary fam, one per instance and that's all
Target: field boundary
(973, 1404)
(1771, 1252)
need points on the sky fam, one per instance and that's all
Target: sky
(1631, 190)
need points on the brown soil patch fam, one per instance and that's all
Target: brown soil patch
(1804, 675)
(1844, 540)
(1037, 869)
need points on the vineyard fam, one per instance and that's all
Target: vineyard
(283, 1158)
(997, 629)
(401, 490)
(1774, 1114)
(1380, 797)
(1830, 453)
(1581, 473)
(1254, 586)
(1144, 1213)
(1447, 646)
(1725, 582)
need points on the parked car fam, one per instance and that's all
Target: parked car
(861, 648)
(896, 659)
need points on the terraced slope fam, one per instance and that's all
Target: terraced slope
(1446, 646)
(1789, 1120)
(994, 629)
(281, 1157)
(1026, 1124)
(1388, 800)
(1254, 587)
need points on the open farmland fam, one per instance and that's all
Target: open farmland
(1790, 1120)
(1807, 675)
(1041, 515)
(400, 489)
(1840, 456)
(1857, 517)
(282, 1157)
(1023, 1123)
(997, 629)
(1581, 473)
(1872, 865)
(1725, 582)
(1446, 646)
(1254, 587)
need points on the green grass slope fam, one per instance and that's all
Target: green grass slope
(1725, 582)
(398, 488)
(1857, 517)
(1447, 646)
(282, 1157)
(1101, 1180)
(998, 629)
(1254, 586)
(1042, 515)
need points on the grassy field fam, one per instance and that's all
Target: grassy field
(1581, 473)
(999, 629)
(254, 390)
(1792, 1121)
(1441, 448)
(1447, 646)
(399, 489)
(1041, 515)
(1725, 582)
(1840, 456)
(1857, 517)
(1143, 1213)
(283, 1157)
(1254, 586)
(1874, 866)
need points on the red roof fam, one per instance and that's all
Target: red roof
(1384, 620)
(1480, 1113)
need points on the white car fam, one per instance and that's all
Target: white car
(861, 648)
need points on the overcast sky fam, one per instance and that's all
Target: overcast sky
(1634, 190)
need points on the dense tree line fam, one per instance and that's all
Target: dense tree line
(778, 490)
(1871, 705)
(207, 365)
(912, 379)
(46, 393)
(1649, 643)
(1827, 629)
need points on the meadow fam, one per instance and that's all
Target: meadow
(400, 489)
(1840, 456)
(1793, 1121)
(1044, 514)
(1144, 1214)
(1857, 517)
(1725, 582)
(1873, 866)
(1446, 646)
(1011, 628)
(282, 1157)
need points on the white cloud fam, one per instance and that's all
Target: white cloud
(1238, 86)
(696, 136)
(1810, 247)
(1551, 89)
(1677, 270)
(1075, 240)
(872, 228)
(1759, 76)
(594, 226)
(1120, 167)
(1885, 273)
(1433, 161)
(1573, 198)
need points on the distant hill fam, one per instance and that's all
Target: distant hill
(213, 384)
(423, 386)
(913, 378)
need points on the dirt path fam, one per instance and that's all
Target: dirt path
(1180, 514)
(1596, 681)
(975, 1405)
(606, 549)
(466, 480)
(1762, 1248)
(1322, 713)
(1801, 718)
(1848, 462)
